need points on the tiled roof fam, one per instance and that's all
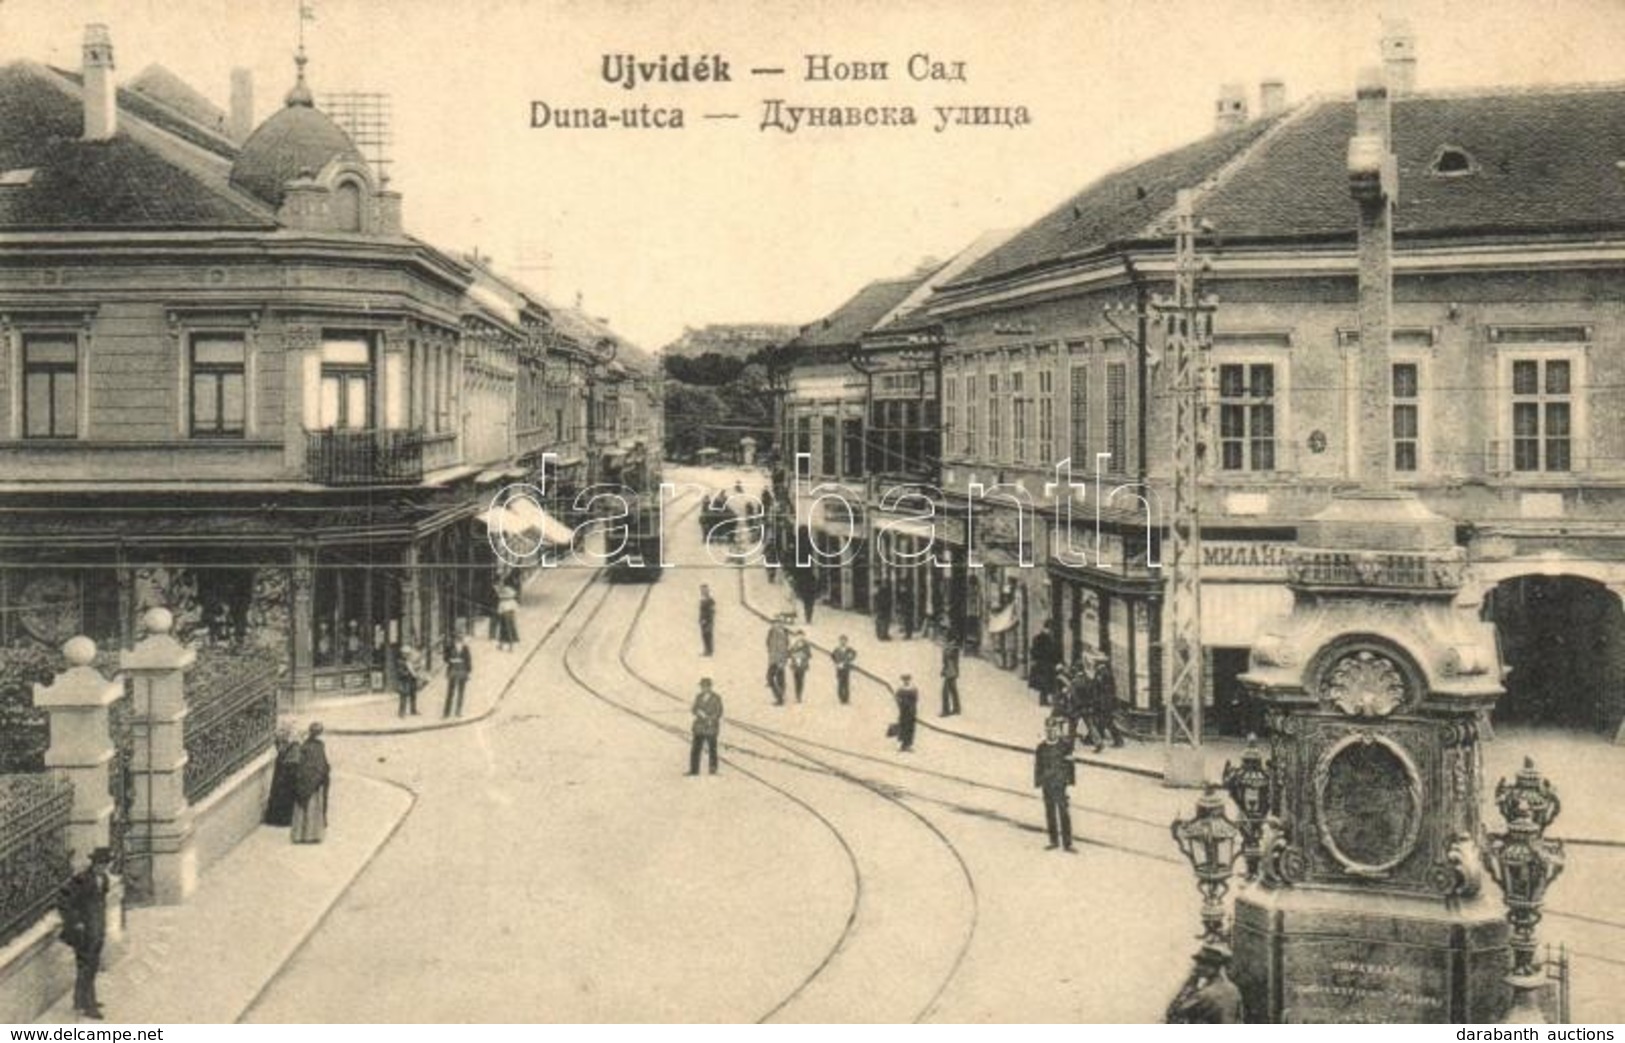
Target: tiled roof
(1118, 206)
(169, 90)
(859, 315)
(131, 181)
(1539, 161)
(165, 117)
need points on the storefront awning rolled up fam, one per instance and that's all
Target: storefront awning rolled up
(549, 528)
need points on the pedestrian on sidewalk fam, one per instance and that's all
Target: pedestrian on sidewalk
(908, 711)
(284, 774)
(1053, 773)
(82, 904)
(1103, 710)
(1083, 698)
(843, 655)
(950, 678)
(310, 805)
(1042, 659)
(904, 602)
(409, 677)
(707, 724)
(1066, 704)
(507, 617)
(808, 592)
(708, 617)
(459, 668)
(800, 660)
(778, 654)
(883, 611)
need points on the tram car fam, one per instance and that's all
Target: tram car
(717, 519)
(638, 539)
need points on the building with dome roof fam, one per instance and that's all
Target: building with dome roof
(237, 387)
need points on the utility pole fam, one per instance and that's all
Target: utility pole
(1187, 321)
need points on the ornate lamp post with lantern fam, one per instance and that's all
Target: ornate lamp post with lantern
(1524, 863)
(1209, 842)
(1248, 784)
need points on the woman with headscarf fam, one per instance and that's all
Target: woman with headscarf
(310, 790)
(284, 777)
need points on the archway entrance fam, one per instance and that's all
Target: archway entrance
(1564, 639)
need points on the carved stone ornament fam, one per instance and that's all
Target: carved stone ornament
(1365, 684)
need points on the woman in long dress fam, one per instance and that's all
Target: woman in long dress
(284, 778)
(310, 790)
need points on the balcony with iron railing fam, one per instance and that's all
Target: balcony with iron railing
(364, 457)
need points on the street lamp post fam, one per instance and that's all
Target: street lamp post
(1208, 842)
(1523, 862)
(1248, 784)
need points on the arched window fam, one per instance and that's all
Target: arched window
(347, 207)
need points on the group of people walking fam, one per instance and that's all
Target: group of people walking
(1082, 694)
(300, 781)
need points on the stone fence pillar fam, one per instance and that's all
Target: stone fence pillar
(160, 817)
(81, 745)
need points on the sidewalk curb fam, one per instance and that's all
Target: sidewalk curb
(322, 918)
(459, 722)
(1127, 769)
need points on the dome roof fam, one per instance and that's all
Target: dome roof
(296, 140)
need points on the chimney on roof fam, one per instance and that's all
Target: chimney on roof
(1271, 98)
(1231, 109)
(242, 104)
(101, 94)
(1399, 56)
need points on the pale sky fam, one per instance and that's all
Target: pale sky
(721, 221)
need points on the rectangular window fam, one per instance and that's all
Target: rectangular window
(1018, 415)
(831, 445)
(995, 419)
(1046, 414)
(50, 386)
(972, 408)
(1080, 417)
(950, 412)
(1542, 415)
(346, 384)
(852, 446)
(1407, 417)
(219, 404)
(803, 440)
(1117, 416)
(1247, 417)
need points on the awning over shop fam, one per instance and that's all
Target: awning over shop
(517, 532)
(539, 521)
(1233, 612)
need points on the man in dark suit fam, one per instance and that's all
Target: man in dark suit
(843, 655)
(1054, 773)
(904, 602)
(707, 725)
(708, 617)
(82, 904)
(950, 678)
(883, 612)
(459, 668)
(1103, 712)
(1208, 997)
(908, 711)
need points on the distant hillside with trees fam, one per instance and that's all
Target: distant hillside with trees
(717, 390)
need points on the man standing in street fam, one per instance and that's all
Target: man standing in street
(908, 711)
(708, 617)
(1208, 997)
(1053, 773)
(459, 667)
(843, 655)
(883, 611)
(800, 660)
(950, 678)
(904, 602)
(707, 723)
(82, 904)
(778, 653)
(1042, 658)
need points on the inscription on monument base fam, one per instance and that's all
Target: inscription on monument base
(1360, 981)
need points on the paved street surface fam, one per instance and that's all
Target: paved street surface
(550, 860)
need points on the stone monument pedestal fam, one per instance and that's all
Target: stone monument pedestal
(1307, 956)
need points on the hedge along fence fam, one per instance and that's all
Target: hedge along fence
(34, 811)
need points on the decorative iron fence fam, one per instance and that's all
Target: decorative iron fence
(336, 457)
(33, 848)
(227, 726)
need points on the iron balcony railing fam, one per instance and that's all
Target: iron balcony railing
(363, 457)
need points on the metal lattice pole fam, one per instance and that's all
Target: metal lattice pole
(1187, 321)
